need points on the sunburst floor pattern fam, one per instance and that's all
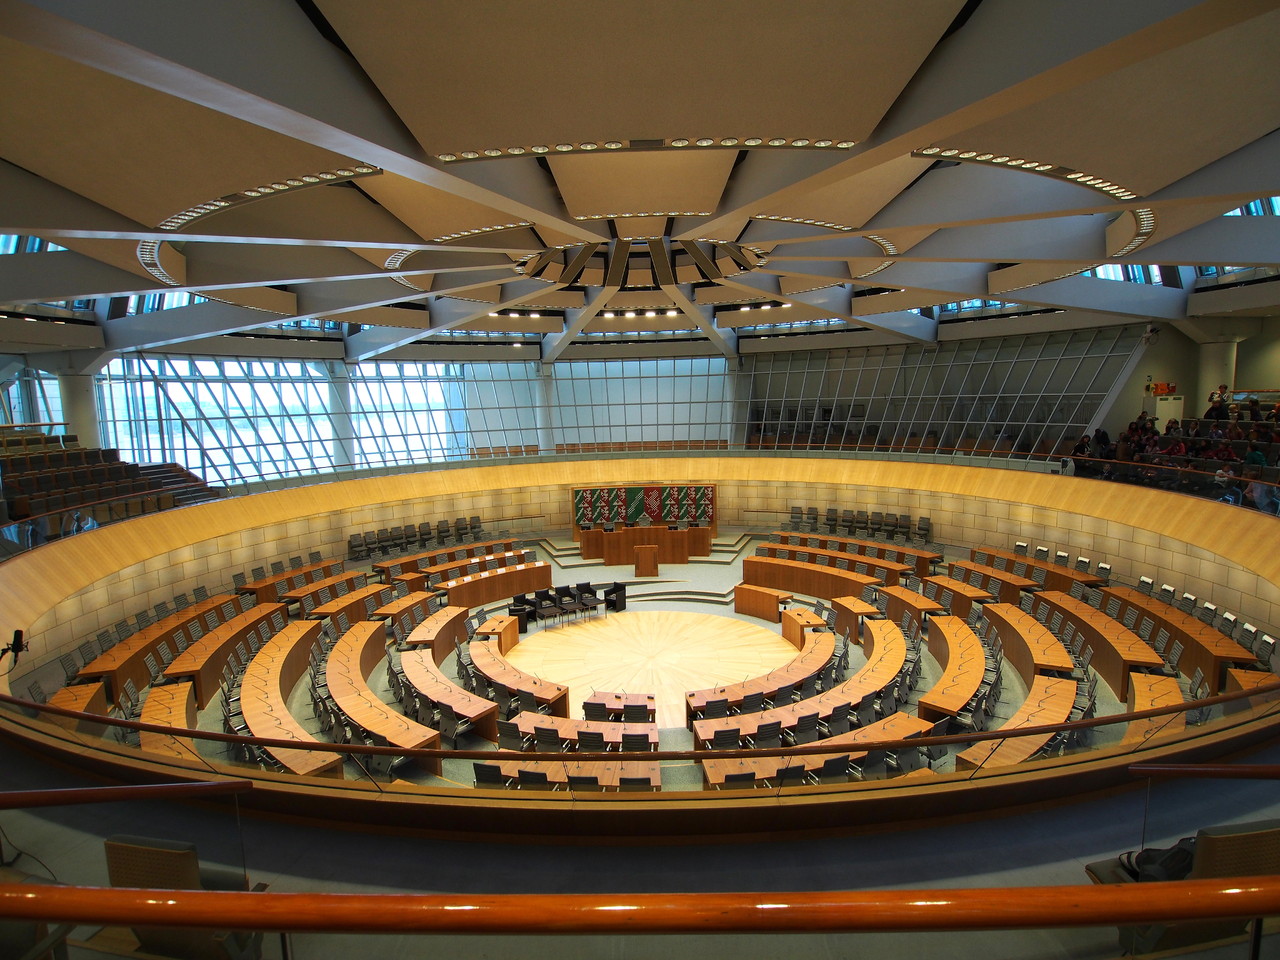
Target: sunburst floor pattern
(666, 653)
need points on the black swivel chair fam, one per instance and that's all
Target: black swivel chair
(615, 597)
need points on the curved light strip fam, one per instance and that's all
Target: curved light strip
(148, 250)
(1146, 220)
(587, 146)
(394, 261)
(1054, 170)
(655, 213)
(805, 220)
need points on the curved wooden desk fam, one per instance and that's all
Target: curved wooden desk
(264, 698)
(955, 595)
(616, 547)
(850, 612)
(762, 602)
(1006, 585)
(351, 662)
(568, 728)
(818, 647)
(1027, 643)
(85, 698)
(264, 589)
(1116, 649)
(126, 660)
(1056, 577)
(959, 652)
(897, 726)
(608, 773)
(900, 600)
(921, 561)
(886, 655)
(1147, 691)
(489, 585)
(1202, 645)
(170, 705)
(389, 569)
(615, 703)
(486, 658)
(425, 676)
(400, 608)
(351, 580)
(354, 603)
(888, 571)
(441, 631)
(461, 566)
(1049, 701)
(806, 578)
(203, 661)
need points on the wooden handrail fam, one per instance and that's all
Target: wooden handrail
(993, 908)
(799, 751)
(1210, 771)
(67, 796)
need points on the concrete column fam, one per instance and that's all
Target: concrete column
(344, 446)
(80, 407)
(542, 413)
(1217, 365)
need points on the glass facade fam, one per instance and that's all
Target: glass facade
(244, 420)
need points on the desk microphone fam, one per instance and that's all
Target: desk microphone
(16, 647)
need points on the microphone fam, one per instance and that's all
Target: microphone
(15, 647)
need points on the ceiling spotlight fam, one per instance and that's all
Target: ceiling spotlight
(800, 142)
(651, 313)
(540, 148)
(930, 151)
(968, 154)
(608, 314)
(364, 169)
(613, 144)
(564, 147)
(281, 186)
(729, 142)
(469, 154)
(777, 141)
(493, 152)
(252, 193)
(630, 314)
(535, 315)
(672, 313)
(311, 179)
(752, 141)
(515, 151)
(984, 156)
(346, 173)
(846, 144)
(822, 143)
(293, 182)
(704, 141)
(587, 146)
(680, 142)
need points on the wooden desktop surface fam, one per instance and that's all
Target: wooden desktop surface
(920, 559)
(477, 589)
(1004, 584)
(1203, 646)
(615, 703)
(352, 660)
(494, 666)
(126, 660)
(1028, 645)
(264, 589)
(425, 676)
(350, 579)
(806, 578)
(387, 569)
(353, 603)
(959, 652)
(268, 682)
(962, 597)
(1049, 701)
(900, 600)
(889, 571)
(1117, 650)
(568, 728)
(170, 705)
(608, 772)
(84, 697)
(441, 631)
(808, 662)
(1149, 690)
(203, 661)
(850, 612)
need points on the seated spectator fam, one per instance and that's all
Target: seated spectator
(1218, 431)
(1223, 452)
(1262, 495)
(1177, 448)
(1224, 476)
(1273, 415)
(1255, 457)
(1193, 429)
(1173, 428)
(1217, 411)
(1233, 411)
(1253, 411)
(1234, 430)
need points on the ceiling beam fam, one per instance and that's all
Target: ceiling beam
(575, 321)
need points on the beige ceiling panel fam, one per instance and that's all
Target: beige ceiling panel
(904, 238)
(312, 213)
(1171, 112)
(430, 213)
(140, 152)
(514, 325)
(854, 201)
(660, 181)
(276, 303)
(632, 227)
(117, 253)
(453, 70)
(640, 300)
(389, 317)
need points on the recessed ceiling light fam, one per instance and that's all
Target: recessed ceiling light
(469, 154)
(1045, 166)
(294, 182)
(704, 141)
(999, 159)
(252, 193)
(752, 141)
(672, 313)
(345, 173)
(535, 315)
(800, 142)
(630, 314)
(364, 169)
(777, 141)
(984, 156)
(326, 175)
(729, 142)
(930, 151)
(540, 148)
(588, 145)
(822, 143)
(651, 313)
(968, 154)
(846, 144)
(608, 314)
(950, 152)
(281, 186)
(564, 147)
(680, 142)
(515, 151)
(493, 152)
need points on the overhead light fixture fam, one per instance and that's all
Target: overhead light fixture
(800, 142)
(540, 148)
(777, 141)
(612, 144)
(587, 146)
(564, 147)
(704, 141)
(752, 141)
(680, 142)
